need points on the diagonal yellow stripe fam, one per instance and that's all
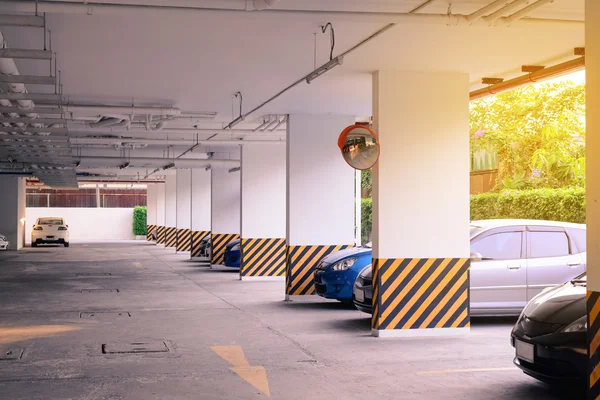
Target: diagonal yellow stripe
(594, 344)
(258, 251)
(405, 272)
(462, 316)
(300, 266)
(299, 251)
(459, 283)
(594, 312)
(262, 258)
(272, 265)
(594, 376)
(253, 245)
(459, 302)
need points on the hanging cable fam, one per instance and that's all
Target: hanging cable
(241, 100)
(332, 36)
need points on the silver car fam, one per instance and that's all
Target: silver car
(511, 262)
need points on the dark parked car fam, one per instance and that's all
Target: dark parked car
(362, 293)
(232, 254)
(550, 335)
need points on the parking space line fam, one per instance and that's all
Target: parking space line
(456, 371)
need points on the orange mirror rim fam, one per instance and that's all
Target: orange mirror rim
(342, 141)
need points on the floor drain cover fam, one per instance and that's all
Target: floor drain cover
(93, 274)
(99, 290)
(137, 347)
(104, 315)
(11, 354)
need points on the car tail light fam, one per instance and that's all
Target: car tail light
(38, 228)
(62, 228)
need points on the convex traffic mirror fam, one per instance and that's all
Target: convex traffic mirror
(359, 146)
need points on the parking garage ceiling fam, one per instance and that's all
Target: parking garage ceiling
(189, 57)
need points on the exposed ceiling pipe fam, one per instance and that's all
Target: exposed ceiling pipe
(171, 142)
(510, 7)
(112, 131)
(543, 74)
(526, 11)
(260, 5)
(140, 162)
(487, 9)
(8, 67)
(103, 123)
(66, 7)
(159, 126)
(93, 110)
(283, 121)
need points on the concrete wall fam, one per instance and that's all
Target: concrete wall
(320, 199)
(160, 204)
(171, 201)
(225, 202)
(263, 192)
(12, 210)
(201, 200)
(88, 224)
(184, 198)
(151, 192)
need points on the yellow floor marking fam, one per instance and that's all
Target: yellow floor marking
(19, 333)
(254, 375)
(453, 371)
(137, 264)
(31, 269)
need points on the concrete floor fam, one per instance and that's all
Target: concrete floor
(308, 348)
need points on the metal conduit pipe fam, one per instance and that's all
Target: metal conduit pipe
(93, 110)
(525, 11)
(506, 9)
(544, 74)
(487, 9)
(66, 7)
(110, 162)
(8, 67)
(103, 123)
(113, 131)
(172, 142)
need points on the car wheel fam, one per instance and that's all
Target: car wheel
(66, 244)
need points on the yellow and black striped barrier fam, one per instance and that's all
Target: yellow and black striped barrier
(593, 338)
(184, 239)
(171, 237)
(218, 242)
(301, 262)
(149, 232)
(263, 257)
(420, 293)
(161, 235)
(197, 237)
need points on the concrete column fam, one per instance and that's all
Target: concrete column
(160, 214)
(592, 61)
(184, 210)
(151, 216)
(320, 197)
(201, 208)
(225, 211)
(263, 218)
(421, 204)
(12, 210)
(171, 210)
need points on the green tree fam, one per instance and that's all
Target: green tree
(537, 132)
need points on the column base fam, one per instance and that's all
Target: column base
(411, 333)
(263, 278)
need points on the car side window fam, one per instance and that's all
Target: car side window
(548, 244)
(499, 246)
(579, 237)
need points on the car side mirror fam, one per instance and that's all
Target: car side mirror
(476, 257)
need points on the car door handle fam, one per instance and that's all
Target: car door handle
(514, 267)
(573, 265)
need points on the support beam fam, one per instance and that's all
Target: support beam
(20, 120)
(22, 20)
(12, 212)
(15, 129)
(56, 137)
(29, 79)
(27, 54)
(45, 97)
(225, 210)
(37, 110)
(201, 208)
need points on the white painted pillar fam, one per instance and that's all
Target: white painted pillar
(171, 210)
(592, 61)
(12, 210)
(320, 196)
(184, 208)
(201, 208)
(421, 203)
(160, 213)
(263, 218)
(151, 216)
(225, 211)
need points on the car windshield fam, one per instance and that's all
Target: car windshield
(50, 221)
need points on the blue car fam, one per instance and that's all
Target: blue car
(232, 254)
(335, 274)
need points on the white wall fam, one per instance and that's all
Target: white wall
(421, 182)
(320, 198)
(160, 204)
(87, 224)
(201, 200)
(12, 210)
(184, 198)
(592, 61)
(225, 201)
(151, 204)
(263, 178)
(171, 201)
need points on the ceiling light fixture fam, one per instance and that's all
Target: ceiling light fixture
(324, 68)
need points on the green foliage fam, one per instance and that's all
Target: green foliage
(548, 204)
(366, 213)
(139, 220)
(366, 182)
(537, 132)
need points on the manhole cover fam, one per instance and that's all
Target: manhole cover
(99, 290)
(104, 315)
(93, 274)
(137, 347)
(11, 354)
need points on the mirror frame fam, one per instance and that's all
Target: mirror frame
(342, 141)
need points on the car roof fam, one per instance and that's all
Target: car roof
(42, 218)
(494, 223)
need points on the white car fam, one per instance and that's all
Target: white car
(50, 230)
(3, 242)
